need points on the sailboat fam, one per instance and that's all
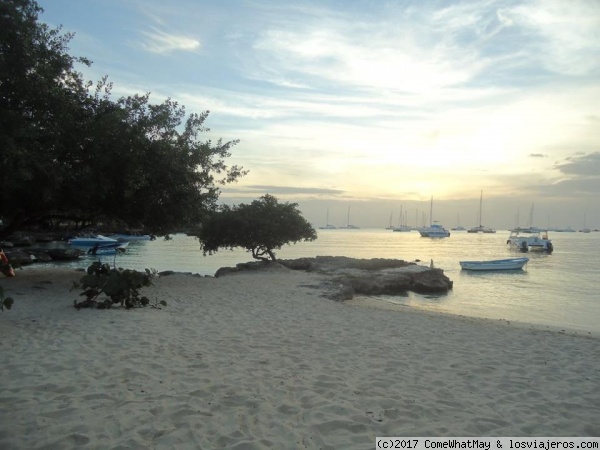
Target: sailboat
(584, 229)
(458, 226)
(328, 226)
(348, 225)
(390, 226)
(401, 227)
(480, 228)
(434, 230)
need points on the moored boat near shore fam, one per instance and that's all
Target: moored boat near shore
(495, 264)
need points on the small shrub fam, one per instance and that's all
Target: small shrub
(119, 285)
(5, 302)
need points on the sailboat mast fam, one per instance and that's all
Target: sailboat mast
(431, 211)
(480, 207)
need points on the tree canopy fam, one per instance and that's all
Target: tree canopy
(261, 227)
(69, 152)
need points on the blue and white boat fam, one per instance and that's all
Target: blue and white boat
(495, 264)
(90, 241)
(435, 230)
(108, 249)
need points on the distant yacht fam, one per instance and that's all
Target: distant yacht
(480, 228)
(348, 225)
(402, 227)
(458, 227)
(390, 226)
(434, 230)
(328, 226)
(584, 229)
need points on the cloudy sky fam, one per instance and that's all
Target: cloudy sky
(374, 105)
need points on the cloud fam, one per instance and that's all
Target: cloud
(583, 166)
(161, 42)
(285, 190)
(537, 155)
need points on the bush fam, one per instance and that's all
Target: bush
(5, 302)
(119, 285)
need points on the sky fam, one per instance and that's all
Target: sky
(360, 109)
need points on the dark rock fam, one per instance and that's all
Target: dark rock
(19, 258)
(350, 276)
(328, 264)
(22, 240)
(65, 254)
(432, 281)
(251, 266)
(339, 292)
(40, 255)
(379, 284)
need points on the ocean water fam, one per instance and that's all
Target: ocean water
(558, 289)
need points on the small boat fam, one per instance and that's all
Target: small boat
(108, 249)
(495, 264)
(90, 241)
(526, 239)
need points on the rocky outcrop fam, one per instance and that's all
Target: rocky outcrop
(350, 276)
(36, 255)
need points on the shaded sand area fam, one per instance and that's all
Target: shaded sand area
(262, 360)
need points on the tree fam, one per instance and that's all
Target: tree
(261, 227)
(68, 152)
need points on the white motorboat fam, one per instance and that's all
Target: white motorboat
(495, 264)
(434, 230)
(526, 239)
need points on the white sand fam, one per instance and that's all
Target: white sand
(261, 360)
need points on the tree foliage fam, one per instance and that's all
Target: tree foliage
(261, 227)
(119, 285)
(71, 152)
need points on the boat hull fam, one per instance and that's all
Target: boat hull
(109, 249)
(495, 264)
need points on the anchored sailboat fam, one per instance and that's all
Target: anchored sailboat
(480, 228)
(328, 226)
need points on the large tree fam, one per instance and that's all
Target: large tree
(69, 152)
(261, 227)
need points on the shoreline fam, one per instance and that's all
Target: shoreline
(363, 302)
(260, 360)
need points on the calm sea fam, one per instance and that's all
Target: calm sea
(560, 289)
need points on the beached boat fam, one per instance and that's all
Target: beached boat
(526, 239)
(90, 241)
(495, 264)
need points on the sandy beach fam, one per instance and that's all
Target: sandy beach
(262, 360)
